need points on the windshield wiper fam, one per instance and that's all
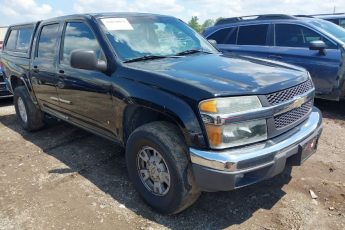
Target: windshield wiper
(146, 57)
(192, 51)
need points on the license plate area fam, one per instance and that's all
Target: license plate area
(305, 150)
(308, 149)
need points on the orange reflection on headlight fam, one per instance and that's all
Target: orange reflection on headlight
(208, 106)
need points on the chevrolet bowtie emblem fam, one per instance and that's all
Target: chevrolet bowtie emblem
(298, 102)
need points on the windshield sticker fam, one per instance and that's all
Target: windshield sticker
(117, 24)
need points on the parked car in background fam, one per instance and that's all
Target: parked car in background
(315, 44)
(191, 118)
(338, 18)
(4, 92)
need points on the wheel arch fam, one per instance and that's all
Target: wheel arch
(136, 115)
(16, 81)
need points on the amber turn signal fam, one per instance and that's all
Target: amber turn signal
(208, 106)
(214, 134)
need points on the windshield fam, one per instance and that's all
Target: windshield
(139, 36)
(330, 28)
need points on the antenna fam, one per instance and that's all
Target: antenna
(334, 7)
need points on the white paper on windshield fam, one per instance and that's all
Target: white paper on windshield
(117, 24)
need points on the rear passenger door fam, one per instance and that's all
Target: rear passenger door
(43, 66)
(250, 40)
(292, 46)
(84, 94)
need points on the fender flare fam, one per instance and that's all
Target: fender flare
(27, 85)
(175, 109)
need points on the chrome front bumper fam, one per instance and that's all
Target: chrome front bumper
(271, 154)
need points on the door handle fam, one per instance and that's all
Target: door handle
(61, 80)
(275, 57)
(61, 71)
(36, 70)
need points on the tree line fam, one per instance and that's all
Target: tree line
(194, 23)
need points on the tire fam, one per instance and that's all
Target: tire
(166, 139)
(23, 104)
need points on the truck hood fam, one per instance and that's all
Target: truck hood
(212, 75)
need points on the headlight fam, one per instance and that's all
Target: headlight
(223, 134)
(230, 105)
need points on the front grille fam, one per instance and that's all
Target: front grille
(287, 94)
(293, 115)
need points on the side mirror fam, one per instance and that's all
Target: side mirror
(213, 42)
(86, 59)
(318, 45)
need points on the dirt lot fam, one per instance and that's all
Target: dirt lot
(65, 178)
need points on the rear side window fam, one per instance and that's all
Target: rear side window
(19, 39)
(252, 35)
(12, 40)
(232, 37)
(47, 41)
(221, 35)
(289, 35)
(78, 35)
(336, 21)
(24, 38)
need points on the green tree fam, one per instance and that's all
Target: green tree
(207, 23)
(220, 18)
(194, 23)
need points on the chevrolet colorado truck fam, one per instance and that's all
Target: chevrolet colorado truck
(190, 118)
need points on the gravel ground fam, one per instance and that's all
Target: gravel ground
(65, 178)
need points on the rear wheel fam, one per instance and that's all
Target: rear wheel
(158, 166)
(30, 117)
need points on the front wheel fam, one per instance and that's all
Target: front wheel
(30, 117)
(158, 166)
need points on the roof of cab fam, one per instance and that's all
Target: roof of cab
(95, 15)
(125, 14)
(103, 15)
(24, 24)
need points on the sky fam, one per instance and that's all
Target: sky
(18, 11)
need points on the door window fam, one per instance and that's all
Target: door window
(78, 35)
(19, 39)
(335, 21)
(12, 40)
(24, 38)
(224, 36)
(47, 41)
(289, 35)
(252, 35)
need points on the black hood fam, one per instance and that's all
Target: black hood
(212, 75)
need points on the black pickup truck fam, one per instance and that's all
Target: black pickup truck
(191, 119)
